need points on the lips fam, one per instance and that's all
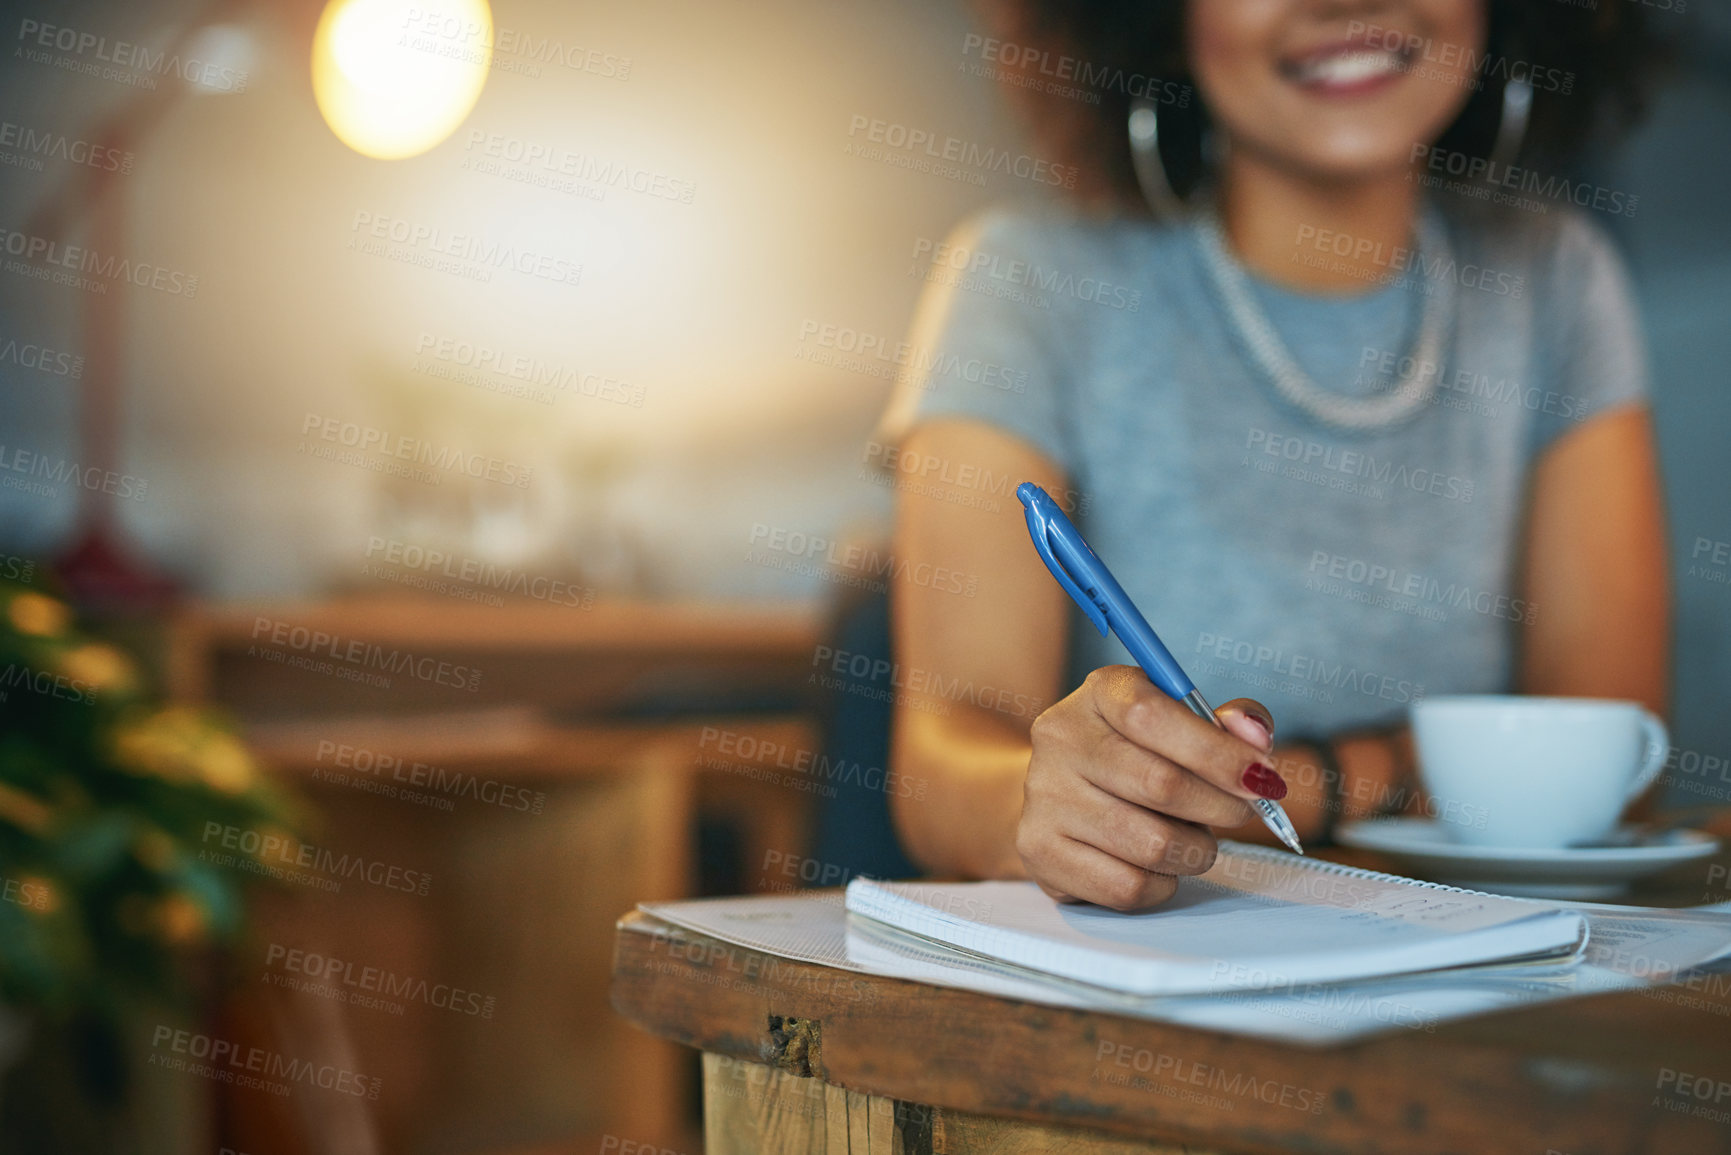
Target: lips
(1344, 68)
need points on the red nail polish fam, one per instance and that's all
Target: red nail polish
(1262, 779)
(1267, 726)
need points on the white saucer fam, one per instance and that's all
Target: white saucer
(1571, 873)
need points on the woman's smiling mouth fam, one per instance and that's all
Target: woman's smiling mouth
(1346, 68)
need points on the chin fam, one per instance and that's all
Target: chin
(1342, 151)
(1353, 161)
(1373, 140)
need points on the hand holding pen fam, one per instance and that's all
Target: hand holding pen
(1129, 772)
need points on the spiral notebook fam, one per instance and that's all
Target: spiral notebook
(1257, 920)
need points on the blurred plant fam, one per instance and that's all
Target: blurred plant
(105, 896)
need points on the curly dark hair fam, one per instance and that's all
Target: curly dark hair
(1608, 52)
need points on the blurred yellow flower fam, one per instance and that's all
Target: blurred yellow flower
(100, 666)
(226, 765)
(180, 743)
(145, 746)
(22, 810)
(38, 615)
(181, 919)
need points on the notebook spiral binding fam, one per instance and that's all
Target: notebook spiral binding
(1282, 858)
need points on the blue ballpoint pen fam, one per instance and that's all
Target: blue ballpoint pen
(1086, 579)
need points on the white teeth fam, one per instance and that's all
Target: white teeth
(1349, 67)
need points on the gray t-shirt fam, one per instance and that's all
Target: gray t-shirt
(1335, 576)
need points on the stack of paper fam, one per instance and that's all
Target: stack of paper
(1265, 944)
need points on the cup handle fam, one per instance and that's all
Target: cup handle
(1658, 750)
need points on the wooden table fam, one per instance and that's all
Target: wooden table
(803, 1058)
(521, 901)
(564, 660)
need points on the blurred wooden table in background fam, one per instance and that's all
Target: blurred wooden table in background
(603, 731)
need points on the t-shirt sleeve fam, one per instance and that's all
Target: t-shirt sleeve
(1597, 355)
(985, 344)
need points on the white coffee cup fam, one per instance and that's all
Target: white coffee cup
(1508, 770)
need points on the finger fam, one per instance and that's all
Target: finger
(1132, 705)
(1155, 842)
(1250, 720)
(1076, 871)
(1157, 783)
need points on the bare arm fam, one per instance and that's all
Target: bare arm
(1594, 566)
(1107, 795)
(1011, 635)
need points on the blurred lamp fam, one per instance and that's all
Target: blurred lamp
(393, 78)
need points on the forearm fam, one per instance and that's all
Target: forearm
(1595, 571)
(959, 795)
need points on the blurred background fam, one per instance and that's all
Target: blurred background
(501, 498)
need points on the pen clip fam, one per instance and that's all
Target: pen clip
(1040, 525)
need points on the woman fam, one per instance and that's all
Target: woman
(1350, 435)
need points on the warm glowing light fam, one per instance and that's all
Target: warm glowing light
(392, 77)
